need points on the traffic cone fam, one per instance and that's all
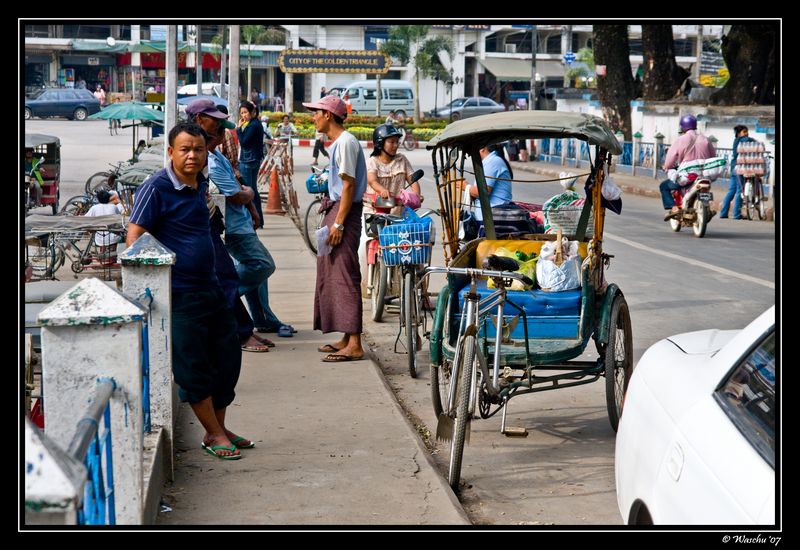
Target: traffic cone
(274, 199)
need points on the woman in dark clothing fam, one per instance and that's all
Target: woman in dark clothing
(251, 144)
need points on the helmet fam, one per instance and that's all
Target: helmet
(688, 122)
(380, 134)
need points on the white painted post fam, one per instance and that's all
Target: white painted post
(564, 145)
(90, 332)
(53, 481)
(637, 146)
(656, 157)
(147, 264)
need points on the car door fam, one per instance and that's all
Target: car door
(67, 100)
(487, 106)
(471, 108)
(719, 467)
(47, 104)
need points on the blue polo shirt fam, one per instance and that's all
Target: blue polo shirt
(178, 217)
(237, 218)
(495, 167)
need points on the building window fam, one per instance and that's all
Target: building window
(37, 31)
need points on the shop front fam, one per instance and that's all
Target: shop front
(94, 69)
(151, 76)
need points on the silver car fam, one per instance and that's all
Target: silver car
(465, 107)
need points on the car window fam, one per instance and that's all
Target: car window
(49, 96)
(66, 95)
(353, 92)
(748, 398)
(486, 102)
(369, 94)
(400, 93)
(84, 94)
(472, 102)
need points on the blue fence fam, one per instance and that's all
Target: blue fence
(644, 153)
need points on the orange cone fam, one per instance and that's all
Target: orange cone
(274, 200)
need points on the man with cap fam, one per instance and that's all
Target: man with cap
(337, 301)
(206, 355)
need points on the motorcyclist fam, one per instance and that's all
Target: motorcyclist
(691, 145)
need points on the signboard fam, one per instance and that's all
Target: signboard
(334, 61)
(569, 58)
(462, 27)
(93, 60)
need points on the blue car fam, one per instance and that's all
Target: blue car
(66, 102)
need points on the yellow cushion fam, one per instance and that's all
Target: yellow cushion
(487, 248)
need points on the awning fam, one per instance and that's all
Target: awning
(508, 69)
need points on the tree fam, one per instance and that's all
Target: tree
(426, 57)
(662, 77)
(749, 53)
(615, 88)
(585, 56)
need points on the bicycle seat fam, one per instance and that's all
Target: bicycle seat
(500, 263)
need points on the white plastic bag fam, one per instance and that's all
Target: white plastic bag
(555, 278)
(611, 190)
(323, 248)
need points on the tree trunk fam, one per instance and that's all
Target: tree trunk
(662, 76)
(417, 114)
(616, 87)
(749, 53)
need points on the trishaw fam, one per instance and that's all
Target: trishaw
(47, 148)
(541, 333)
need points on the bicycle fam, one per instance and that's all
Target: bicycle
(753, 198)
(278, 159)
(113, 126)
(408, 140)
(417, 250)
(317, 184)
(77, 205)
(106, 179)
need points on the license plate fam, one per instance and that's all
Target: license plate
(705, 196)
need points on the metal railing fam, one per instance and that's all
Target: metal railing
(94, 449)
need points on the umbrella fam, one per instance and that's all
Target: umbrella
(188, 99)
(130, 110)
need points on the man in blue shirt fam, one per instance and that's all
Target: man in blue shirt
(206, 357)
(498, 176)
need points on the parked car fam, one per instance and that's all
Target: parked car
(465, 107)
(696, 441)
(74, 104)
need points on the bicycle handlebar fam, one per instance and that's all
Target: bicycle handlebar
(473, 272)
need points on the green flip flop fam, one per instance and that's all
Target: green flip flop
(212, 450)
(239, 438)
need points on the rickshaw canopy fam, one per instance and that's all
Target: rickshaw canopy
(488, 129)
(35, 140)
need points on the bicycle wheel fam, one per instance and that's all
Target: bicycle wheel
(410, 142)
(758, 196)
(96, 182)
(618, 359)
(440, 375)
(76, 206)
(410, 319)
(380, 279)
(312, 221)
(462, 406)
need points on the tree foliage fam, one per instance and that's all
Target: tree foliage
(749, 52)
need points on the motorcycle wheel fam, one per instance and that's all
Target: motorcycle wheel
(675, 224)
(700, 224)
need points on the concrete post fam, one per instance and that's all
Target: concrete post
(171, 92)
(656, 154)
(637, 145)
(53, 481)
(90, 332)
(564, 145)
(146, 264)
(233, 77)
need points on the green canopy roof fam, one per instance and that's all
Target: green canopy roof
(487, 129)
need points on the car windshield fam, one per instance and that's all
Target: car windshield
(36, 93)
(458, 102)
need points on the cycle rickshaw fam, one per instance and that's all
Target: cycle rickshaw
(48, 148)
(487, 344)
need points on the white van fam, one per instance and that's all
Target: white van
(397, 95)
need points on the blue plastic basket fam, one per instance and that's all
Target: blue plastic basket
(314, 185)
(406, 244)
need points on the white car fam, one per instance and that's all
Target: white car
(696, 441)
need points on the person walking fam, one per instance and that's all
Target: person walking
(741, 134)
(251, 143)
(206, 355)
(337, 300)
(319, 147)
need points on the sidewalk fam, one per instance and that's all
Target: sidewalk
(333, 446)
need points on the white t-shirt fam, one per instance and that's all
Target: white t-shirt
(105, 238)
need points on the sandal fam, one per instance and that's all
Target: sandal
(327, 348)
(336, 358)
(266, 341)
(286, 331)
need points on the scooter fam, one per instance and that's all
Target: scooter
(694, 201)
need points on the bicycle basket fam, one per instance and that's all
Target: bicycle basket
(406, 244)
(317, 184)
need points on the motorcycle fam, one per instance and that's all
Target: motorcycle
(694, 201)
